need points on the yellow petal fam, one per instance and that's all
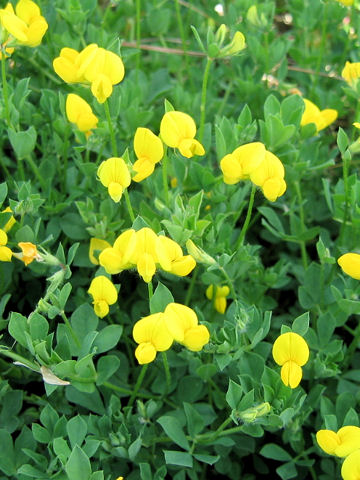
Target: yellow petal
(291, 374)
(152, 329)
(351, 72)
(114, 170)
(113, 67)
(175, 127)
(349, 437)
(101, 88)
(125, 245)
(273, 188)
(350, 264)
(3, 237)
(5, 254)
(115, 191)
(250, 156)
(310, 113)
(179, 318)
(97, 244)
(328, 441)
(148, 145)
(112, 261)
(220, 304)
(15, 26)
(210, 292)
(145, 353)
(29, 252)
(101, 308)
(190, 147)
(146, 267)
(183, 266)
(231, 169)
(101, 288)
(66, 69)
(27, 10)
(327, 117)
(195, 338)
(144, 169)
(290, 346)
(350, 469)
(9, 224)
(35, 32)
(237, 44)
(270, 167)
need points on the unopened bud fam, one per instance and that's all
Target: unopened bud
(198, 254)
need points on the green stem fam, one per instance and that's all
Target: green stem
(73, 334)
(346, 164)
(191, 286)
(5, 90)
(241, 238)
(128, 204)
(302, 223)
(150, 290)
(19, 358)
(167, 372)
(36, 171)
(203, 98)
(229, 282)
(138, 384)
(165, 178)
(111, 129)
(138, 33)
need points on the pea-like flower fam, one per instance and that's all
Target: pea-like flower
(149, 150)
(144, 256)
(183, 324)
(291, 352)
(5, 252)
(269, 176)
(115, 259)
(152, 335)
(350, 264)
(321, 118)
(28, 254)
(97, 245)
(104, 294)
(239, 164)
(171, 259)
(100, 68)
(350, 469)
(114, 174)
(178, 130)
(78, 111)
(351, 72)
(26, 24)
(10, 223)
(341, 443)
(220, 296)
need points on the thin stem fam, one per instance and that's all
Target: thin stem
(36, 171)
(203, 98)
(138, 384)
(138, 32)
(229, 282)
(241, 238)
(346, 191)
(167, 372)
(191, 286)
(5, 88)
(302, 222)
(71, 330)
(165, 178)
(150, 290)
(111, 129)
(128, 204)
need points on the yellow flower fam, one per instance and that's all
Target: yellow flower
(28, 254)
(340, 443)
(5, 252)
(117, 258)
(93, 65)
(220, 296)
(9, 224)
(235, 46)
(239, 164)
(350, 264)
(149, 150)
(171, 258)
(114, 174)
(104, 294)
(152, 335)
(351, 72)
(27, 26)
(350, 469)
(291, 352)
(321, 118)
(78, 111)
(269, 175)
(97, 244)
(347, 3)
(144, 255)
(182, 323)
(177, 130)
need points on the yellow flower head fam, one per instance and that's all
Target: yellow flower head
(171, 258)
(5, 252)
(350, 264)
(239, 164)
(104, 294)
(220, 296)
(26, 24)
(29, 253)
(350, 469)
(117, 258)
(149, 150)
(269, 175)
(291, 352)
(321, 118)
(152, 335)
(144, 255)
(114, 174)
(10, 223)
(340, 443)
(78, 111)
(177, 130)
(182, 323)
(97, 244)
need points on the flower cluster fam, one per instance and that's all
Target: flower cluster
(100, 68)
(156, 332)
(321, 118)
(24, 26)
(252, 161)
(343, 443)
(291, 352)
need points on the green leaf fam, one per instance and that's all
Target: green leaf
(234, 394)
(24, 142)
(286, 471)
(134, 448)
(273, 451)
(7, 457)
(342, 140)
(301, 324)
(3, 192)
(195, 422)
(173, 429)
(78, 466)
(161, 298)
(106, 367)
(271, 106)
(173, 457)
(18, 326)
(39, 326)
(76, 429)
(107, 338)
(205, 458)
